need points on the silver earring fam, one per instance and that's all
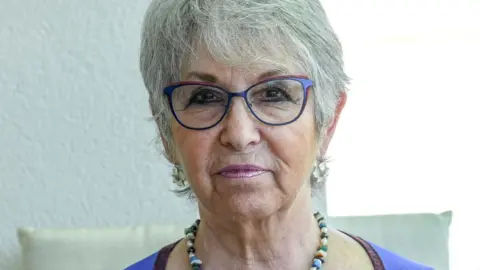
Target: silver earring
(179, 177)
(320, 171)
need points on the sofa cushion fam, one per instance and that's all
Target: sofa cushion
(92, 249)
(421, 237)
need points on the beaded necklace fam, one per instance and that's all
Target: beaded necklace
(318, 259)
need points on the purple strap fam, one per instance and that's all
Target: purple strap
(163, 254)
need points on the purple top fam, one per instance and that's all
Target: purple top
(381, 258)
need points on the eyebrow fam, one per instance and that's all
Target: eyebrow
(202, 76)
(206, 77)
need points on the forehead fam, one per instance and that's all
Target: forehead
(202, 61)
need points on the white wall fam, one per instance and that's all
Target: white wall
(76, 146)
(409, 137)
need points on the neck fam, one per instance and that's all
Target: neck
(286, 239)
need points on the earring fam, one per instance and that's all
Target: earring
(179, 177)
(320, 171)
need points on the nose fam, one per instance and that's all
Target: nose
(239, 130)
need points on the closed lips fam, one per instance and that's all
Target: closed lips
(242, 171)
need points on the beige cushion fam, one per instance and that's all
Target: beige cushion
(419, 237)
(92, 249)
(423, 237)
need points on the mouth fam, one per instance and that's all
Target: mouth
(242, 171)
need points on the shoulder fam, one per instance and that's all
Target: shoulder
(383, 259)
(144, 264)
(393, 261)
(156, 261)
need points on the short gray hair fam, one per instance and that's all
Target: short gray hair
(241, 33)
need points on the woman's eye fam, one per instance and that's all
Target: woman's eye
(272, 93)
(204, 97)
(275, 94)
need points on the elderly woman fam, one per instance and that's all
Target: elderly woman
(246, 95)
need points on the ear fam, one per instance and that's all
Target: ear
(169, 152)
(332, 126)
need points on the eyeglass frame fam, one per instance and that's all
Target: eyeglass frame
(305, 81)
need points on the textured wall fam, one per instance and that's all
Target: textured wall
(76, 145)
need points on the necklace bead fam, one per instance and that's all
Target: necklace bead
(317, 262)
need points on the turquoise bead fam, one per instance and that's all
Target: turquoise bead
(317, 263)
(189, 230)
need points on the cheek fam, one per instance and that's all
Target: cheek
(295, 144)
(302, 133)
(193, 150)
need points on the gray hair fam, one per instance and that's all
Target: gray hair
(241, 33)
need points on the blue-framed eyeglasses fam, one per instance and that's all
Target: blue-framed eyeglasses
(275, 101)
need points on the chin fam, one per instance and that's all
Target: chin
(250, 206)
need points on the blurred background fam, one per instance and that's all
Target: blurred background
(77, 148)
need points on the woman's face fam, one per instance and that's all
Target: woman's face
(285, 154)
